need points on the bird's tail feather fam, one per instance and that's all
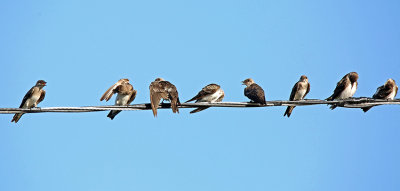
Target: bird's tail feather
(365, 109)
(199, 109)
(332, 107)
(289, 111)
(16, 117)
(113, 113)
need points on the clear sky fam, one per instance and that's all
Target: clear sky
(82, 47)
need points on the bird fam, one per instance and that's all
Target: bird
(210, 93)
(161, 89)
(387, 91)
(32, 98)
(299, 91)
(126, 94)
(253, 91)
(345, 88)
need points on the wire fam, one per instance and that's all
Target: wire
(347, 103)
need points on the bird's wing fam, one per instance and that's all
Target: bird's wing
(42, 95)
(172, 95)
(382, 92)
(295, 89)
(157, 91)
(207, 90)
(221, 97)
(255, 93)
(308, 90)
(340, 86)
(109, 93)
(133, 96)
(26, 97)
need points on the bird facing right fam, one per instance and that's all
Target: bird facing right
(32, 98)
(299, 91)
(386, 91)
(253, 91)
(345, 88)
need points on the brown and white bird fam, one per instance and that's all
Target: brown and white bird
(345, 88)
(387, 91)
(210, 93)
(32, 98)
(253, 91)
(126, 94)
(299, 91)
(161, 89)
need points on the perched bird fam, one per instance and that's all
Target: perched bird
(299, 91)
(387, 91)
(32, 98)
(126, 94)
(253, 91)
(345, 88)
(161, 89)
(210, 93)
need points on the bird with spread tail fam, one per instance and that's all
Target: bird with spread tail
(299, 91)
(126, 94)
(161, 89)
(345, 88)
(387, 91)
(210, 93)
(253, 91)
(31, 99)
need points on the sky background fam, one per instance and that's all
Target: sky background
(81, 48)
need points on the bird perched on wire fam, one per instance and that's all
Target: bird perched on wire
(386, 91)
(126, 94)
(253, 91)
(345, 88)
(161, 89)
(210, 93)
(32, 98)
(299, 91)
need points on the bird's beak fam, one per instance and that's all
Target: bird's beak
(243, 83)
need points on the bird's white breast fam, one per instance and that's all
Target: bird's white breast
(391, 95)
(122, 99)
(348, 92)
(212, 97)
(32, 100)
(300, 94)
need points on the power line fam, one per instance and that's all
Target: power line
(347, 103)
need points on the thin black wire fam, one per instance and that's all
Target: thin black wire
(347, 103)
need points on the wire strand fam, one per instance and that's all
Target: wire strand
(347, 103)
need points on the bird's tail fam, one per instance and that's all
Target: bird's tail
(289, 110)
(16, 117)
(113, 113)
(332, 107)
(194, 98)
(199, 109)
(365, 109)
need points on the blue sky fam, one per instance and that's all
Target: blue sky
(82, 47)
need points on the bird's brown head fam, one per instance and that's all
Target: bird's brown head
(390, 82)
(303, 78)
(159, 79)
(41, 83)
(248, 81)
(124, 80)
(353, 76)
